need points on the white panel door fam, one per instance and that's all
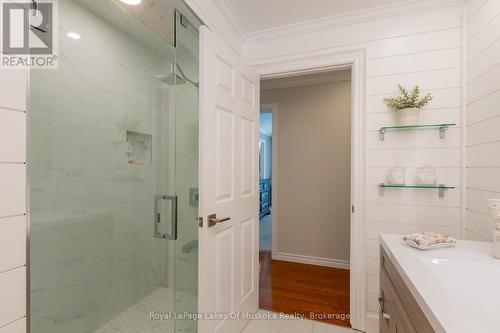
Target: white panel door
(229, 127)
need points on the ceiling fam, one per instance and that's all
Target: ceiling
(259, 15)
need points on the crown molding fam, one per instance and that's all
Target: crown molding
(232, 17)
(363, 15)
(216, 16)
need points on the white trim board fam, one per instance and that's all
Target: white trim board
(325, 60)
(306, 80)
(301, 259)
(464, 122)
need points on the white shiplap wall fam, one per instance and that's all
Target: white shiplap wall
(422, 47)
(13, 201)
(483, 115)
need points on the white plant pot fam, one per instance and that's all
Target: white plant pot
(405, 117)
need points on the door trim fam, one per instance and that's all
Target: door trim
(324, 60)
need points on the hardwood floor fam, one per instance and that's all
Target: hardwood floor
(304, 289)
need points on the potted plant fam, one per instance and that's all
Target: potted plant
(407, 105)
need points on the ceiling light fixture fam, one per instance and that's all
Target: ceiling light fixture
(74, 35)
(131, 2)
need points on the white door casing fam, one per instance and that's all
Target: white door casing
(229, 127)
(320, 61)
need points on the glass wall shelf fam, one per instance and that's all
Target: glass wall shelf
(441, 127)
(441, 188)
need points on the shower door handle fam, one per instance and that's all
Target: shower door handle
(158, 217)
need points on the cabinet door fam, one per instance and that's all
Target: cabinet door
(404, 302)
(384, 308)
(396, 320)
(399, 327)
(390, 322)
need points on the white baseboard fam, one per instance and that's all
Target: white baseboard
(327, 262)
(372, 324)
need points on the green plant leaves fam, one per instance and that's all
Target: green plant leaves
(407, 100)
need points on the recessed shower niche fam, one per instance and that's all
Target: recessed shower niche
(139, 148)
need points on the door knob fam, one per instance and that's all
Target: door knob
(213, 220)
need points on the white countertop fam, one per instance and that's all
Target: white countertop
(458, 288)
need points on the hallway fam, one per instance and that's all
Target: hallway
(265, 233)
(298, 288)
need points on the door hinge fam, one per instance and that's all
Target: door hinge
(352, 209)
(200, 222)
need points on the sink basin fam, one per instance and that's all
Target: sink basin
(476, 282)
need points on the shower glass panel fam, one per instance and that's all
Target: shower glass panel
(186, 101)
(113, 171)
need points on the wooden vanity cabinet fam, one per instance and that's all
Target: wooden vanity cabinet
(399, 311)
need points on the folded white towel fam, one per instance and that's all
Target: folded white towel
(429, 238)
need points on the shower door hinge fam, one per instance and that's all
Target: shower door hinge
(184, 21)
(200, 222)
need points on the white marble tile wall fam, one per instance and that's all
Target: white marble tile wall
(483, 115)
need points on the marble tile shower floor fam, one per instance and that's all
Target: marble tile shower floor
(136, 319)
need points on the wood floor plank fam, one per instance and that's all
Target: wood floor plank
(304, 289)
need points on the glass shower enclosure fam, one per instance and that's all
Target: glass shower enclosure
(113, 171)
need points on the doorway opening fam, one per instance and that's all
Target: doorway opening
(305, 199)
(265, 181)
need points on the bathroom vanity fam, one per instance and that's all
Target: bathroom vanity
(452, 290)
